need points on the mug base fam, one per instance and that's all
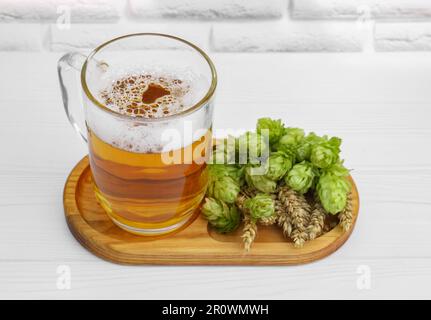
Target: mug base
(155, 232)
(188, 217)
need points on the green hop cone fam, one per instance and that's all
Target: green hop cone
(338, 169)
(303, 150)
(333, 191)
(223, 188)
(273, 128)
(278, 164)
(295, 134)
(325, 154)
(290, 140)
(250, 147)
(217, 171)
(322, 157)
(301, 177)
(255, 177)
(261, 206)
(222, 217)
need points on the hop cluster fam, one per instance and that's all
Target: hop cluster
(286, 177)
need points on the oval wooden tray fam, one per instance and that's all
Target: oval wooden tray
(195, 244)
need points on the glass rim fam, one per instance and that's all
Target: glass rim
(187, 111)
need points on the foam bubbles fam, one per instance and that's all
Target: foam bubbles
(153, 93)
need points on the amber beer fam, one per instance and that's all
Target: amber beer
(141, 186)
(139, 191)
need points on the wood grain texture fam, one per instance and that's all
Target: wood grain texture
(195, 244)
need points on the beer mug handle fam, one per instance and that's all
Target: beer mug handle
(68, 68)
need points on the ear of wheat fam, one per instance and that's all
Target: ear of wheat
(299, 212)
(346, 216)
(268, 221)
(317, 220)
(249, 232)
(283, 218)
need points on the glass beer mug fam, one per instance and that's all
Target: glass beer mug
(148, 108)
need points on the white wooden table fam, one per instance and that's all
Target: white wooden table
(380, 105)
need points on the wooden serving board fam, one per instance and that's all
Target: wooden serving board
(195, 244)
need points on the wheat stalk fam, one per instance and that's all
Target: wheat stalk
(240, 200)
(346, 216)
(299, 211)
(268, 220)
(283, 218)
(249, 232)
(317, 220)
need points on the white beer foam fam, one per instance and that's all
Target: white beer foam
(140, 136)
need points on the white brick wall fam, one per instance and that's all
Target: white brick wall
(352, 9)
(50, 10)
(24, 37)
(403, 37)
(208, 9)
(89, 36)
(221, 25)
(287, 36)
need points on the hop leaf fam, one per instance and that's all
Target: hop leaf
(278, 164)
(222, 217)
(273, 128)
(251, 147)
(326, 153)
(333, 191)
(256, 179)
(261, 206)
(301, 177)
(223, 188)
